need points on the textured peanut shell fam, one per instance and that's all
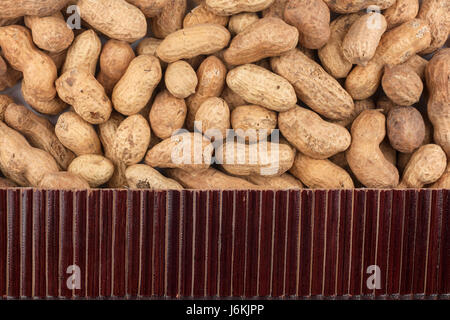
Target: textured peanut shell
(150, 8)
(200, 15)
(51, 107)
(20, 162)
(283, 182)
(63, 181)
(385, 105)
(251, 159)
(201, 39)
(437, 76)
(167, 115)
(444, 180)
(107, 133)
(50, 33)
(115, 58)
(213, 118)
(360, 106)
(349, 6)
(232, 98)
(402, 85)
(181, 79)
(7, 183)
(230, 7)
(85, 94)
(9, 77)
(209, 179)
(313, 85)
(39, 131)
(39, 71)
(5, 101)
(406, 129)
(365, 157)
(131, 140)
(239, 22)
(10, 9)
(58, 58)
(418, 64)
(83, 53)
(148, 46)
(170, 19)
(331, 56)
(252, 122)
(211, 79)
(426, 166)
(396, 47)
(134, 90)
(276, 9)
(267, 37)
(141, 176)
(437, 14)
(115, 18)
(95, 169)
(363, 37)
(312, 135)
(320, 174)
(312, 19)
(77, 135)
(259, 86)
(401, 11)
(188, 151)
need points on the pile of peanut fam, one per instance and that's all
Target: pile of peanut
(145, 94)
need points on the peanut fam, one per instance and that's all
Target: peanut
(437, 14)
(95, 169)
(213, 118)
(239, 22)
(170, 19)
(402, 85)
(406, 129)
(253, 123)
(150, 8)
(11, 9)
(283, 182)
(141, 176)
(231, 7)
(349, 6)
(63, 181)
(201, 15)
(167, 115)
(401, 11)
(181, 79)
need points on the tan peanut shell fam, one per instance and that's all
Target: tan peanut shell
(426, 166)
(230, 7)
(331, 56)
(364, 156)
(50, 33)
(259, 86)
(320, 174)
(364, 81)
(10, 9)
(232, 98)
(83, 53)
(363, 37)
(360, 106)
(312, 135)
(213, 118)
(181, 79)
(134, 90)
(349, 6)
(418, 64)
(170, 19)
(58, 58)
(39, 131)
(385, 105)
(406, 129)
(312, 19)
(107, 133)
(115, 18)
(211, 79)
(85, 94)
(320, 92)
(267, 37)
(5, 101)
(77, 135)
(7, 183)
(276, 9)
(167, 115)
(283, 182)
(95, 169)
(271, 159)
(9, 77)
(193, 41)
(253, 123)
(401, 11)
(115, 58)
(402, 85)
(50, 107)
(209, 179)
(437, 76)
(201, 15)
(63, 181)
(20, 162)
(239, 22)
(437, 14)
(141, 176)
(188, 151)
(150, 8)
(39, 71)
(444, 180)
(131, 140)
(148, 46)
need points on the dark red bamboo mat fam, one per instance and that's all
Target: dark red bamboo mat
(210, 244)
